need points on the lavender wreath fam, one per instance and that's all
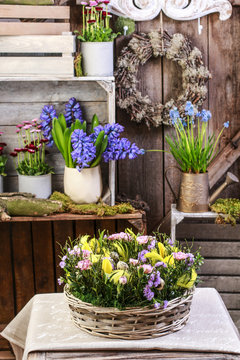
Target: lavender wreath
(139, 50)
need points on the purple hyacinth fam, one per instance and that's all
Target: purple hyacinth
(141, 256)
(83, 149)
(73, 111)
(148, 293)
(47, 115)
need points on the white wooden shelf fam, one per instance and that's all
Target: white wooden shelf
(178, 216)
(57, 78)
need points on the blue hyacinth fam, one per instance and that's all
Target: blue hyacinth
(47, 115)
(73, 111)
(84, 150)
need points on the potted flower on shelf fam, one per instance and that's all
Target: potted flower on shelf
(3, 160)
(34, 174)
(194, 151)
(83, 150)
(115, 283)
(96, 39)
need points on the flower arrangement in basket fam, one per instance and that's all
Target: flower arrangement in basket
(129, 286)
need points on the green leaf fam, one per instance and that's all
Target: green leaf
(94, 123)
(62, 121)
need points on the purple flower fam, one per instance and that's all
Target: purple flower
(157, 305)
(170, 241)
(152, 245)
(119, 149)
(60, 281)
(141, 256)
(160, 263)
(83, 149)
(189, 109)
(165, 304)
(47, 115)
(62, 264)
(174, 115)
(157, 281)
(190, 259)
(205, 115)
(122, 235)
(148, 293)
(73, 111)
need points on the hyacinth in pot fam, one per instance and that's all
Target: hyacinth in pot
(34, 174)
(96, 39)
(116, 280)
(3, 161)
(83, 150)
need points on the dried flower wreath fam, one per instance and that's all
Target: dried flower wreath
(138, 51)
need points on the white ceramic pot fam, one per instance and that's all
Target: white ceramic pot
(1, 183)
(83, 187)
(97, 58)
(40, 185)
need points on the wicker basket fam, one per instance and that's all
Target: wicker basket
(130, 324)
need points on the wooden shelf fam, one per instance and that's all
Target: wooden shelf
(67, 216)
(57, 78)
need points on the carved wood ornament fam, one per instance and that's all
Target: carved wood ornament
(141, 10)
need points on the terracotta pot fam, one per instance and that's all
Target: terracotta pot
(40, 185)
(83, 187)
(97, 58)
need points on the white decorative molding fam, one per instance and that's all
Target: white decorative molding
(141, 10)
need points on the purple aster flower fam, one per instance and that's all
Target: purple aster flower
(47, 115)
(73, 111)
(84, 150)
(150, 283)
(165, 304)
(141, 256)
(62, 264)
(157, 305)
(148, 293)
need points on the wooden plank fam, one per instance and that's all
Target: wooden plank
(19, 66)
(232, 301)
(220, 267)
(235, 315)
(48, 92)
(108, 225)
(27, 2)
(212, 249)
(23, 263)
(221, 283)
(235, 2)
(208, 232)
(61, 230)
(6, 275)
(4, 344)
(36, 12)
(26, 28)
(43, 258)
(33, 110)
(225, 159)
(84, 228)
(37, 44)
(6, 355)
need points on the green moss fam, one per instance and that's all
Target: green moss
(230, 208)
(100, 209)
(121, 22)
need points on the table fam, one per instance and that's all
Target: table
(44, 330)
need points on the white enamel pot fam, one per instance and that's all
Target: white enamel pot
(97, 58)
(83, 187)
(1, 183)
(40, 185)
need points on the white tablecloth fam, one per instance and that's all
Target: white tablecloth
(44, 324)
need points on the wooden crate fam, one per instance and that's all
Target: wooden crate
(38, 20)
(23, 55)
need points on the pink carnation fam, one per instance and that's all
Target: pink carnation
(142, 239)
(147, 268)
(133, 261)
(180, 255)
(84, 265)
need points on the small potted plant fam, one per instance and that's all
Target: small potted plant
(96, 39)
(3, 160)
(34, 174)
(83, 150)
(193, 150)
(115, 283)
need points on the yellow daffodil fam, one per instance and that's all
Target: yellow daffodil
(187, 281)
(107, 266)
(116, 274)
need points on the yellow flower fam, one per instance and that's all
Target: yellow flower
(107, 266)
(154, 256)
(121, 251)
(162, 250)
(86, 247)
(187, 281)
(169, 260)
(94, 244)
(84, 239)
(95, 258)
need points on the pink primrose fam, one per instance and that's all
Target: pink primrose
(133, 261)
(142, 239)
(180, 255)
(147, 268)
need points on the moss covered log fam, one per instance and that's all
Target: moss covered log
(228, 210)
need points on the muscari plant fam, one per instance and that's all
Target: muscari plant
(3, 158)
(191, 147)
(95, 19)
(81, 147)
(30, 153)
(125, 269)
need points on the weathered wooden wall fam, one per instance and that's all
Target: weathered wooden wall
(161, 80)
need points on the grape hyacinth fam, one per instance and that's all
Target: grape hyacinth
(84, 150)
(73, 111)
(47, 115)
